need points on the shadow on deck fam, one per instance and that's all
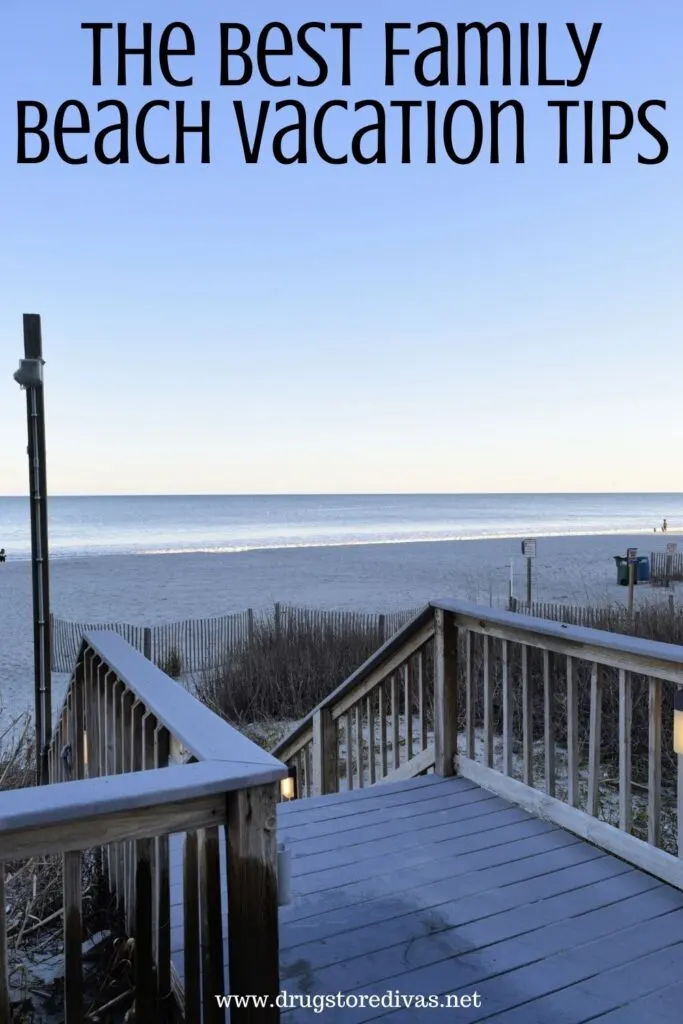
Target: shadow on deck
(436, 887)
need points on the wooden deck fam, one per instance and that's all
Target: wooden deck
(434, 886)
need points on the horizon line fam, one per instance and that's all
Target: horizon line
(343, 494)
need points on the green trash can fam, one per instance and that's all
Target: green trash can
(622, 570)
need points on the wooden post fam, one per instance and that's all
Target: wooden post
(324, 753)
(253, 900)
(191, 934)
(382, 629)
(445, 694)
(250, 626)
(277, 622)
(147, 642)
(631, 584)
(528, 583)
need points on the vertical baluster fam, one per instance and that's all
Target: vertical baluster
(137, 763)
(469, 697)
(162, 743)
(572, 735)
(371, 739)
(73, 938)
(383, 729)
(488, 704)
(654, 773)
(149, 724)
(359, 745)
(211, 924)
(507, 710)
(548, 728)
(421, 674)
(408, 702)
(78, 723)
(349, 751)
(109, 742)
(395, 724)
(593, 802)
(308, 754)
(527, 719)
(191, 930)
(145, 991)
(118, 767)
(625, 751)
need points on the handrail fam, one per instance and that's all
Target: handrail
(377, 660)
(202, 733)
(614, 650)
(61, 817)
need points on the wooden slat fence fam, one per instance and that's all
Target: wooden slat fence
(197, 644)
(665, 568)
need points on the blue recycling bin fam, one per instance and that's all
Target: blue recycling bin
(642, 569)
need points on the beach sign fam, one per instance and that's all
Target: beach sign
(529, 548)
(632, 555)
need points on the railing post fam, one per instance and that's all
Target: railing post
(253, 900)
(445, 693)
(325, 778)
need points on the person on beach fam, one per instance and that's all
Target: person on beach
(2, 555)
(665, 526)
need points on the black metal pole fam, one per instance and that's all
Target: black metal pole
(35, 405)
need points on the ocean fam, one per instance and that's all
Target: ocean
(156, 525)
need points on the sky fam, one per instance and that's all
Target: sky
(234, 328)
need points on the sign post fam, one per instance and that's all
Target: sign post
(529, 552)
(30, 377)
(631, 555)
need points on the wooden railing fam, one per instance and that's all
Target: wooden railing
(377, 726)
(573, 724)
(134, 759)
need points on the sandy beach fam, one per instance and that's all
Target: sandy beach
(149, 589)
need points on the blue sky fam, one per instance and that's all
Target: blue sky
(234, 328)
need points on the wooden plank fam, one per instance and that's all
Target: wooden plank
(409, 769)
(445, 694)
(625, 751)
(507, 710)
(211, 926)
(607, 837)
(73, 938)
(572, 735)
(252, 899)
(191, 930)
(548, 731)
(595, 735)
(654, 765)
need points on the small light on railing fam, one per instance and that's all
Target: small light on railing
(288, 786)
(678, 722)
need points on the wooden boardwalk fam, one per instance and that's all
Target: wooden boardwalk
(435, 886)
